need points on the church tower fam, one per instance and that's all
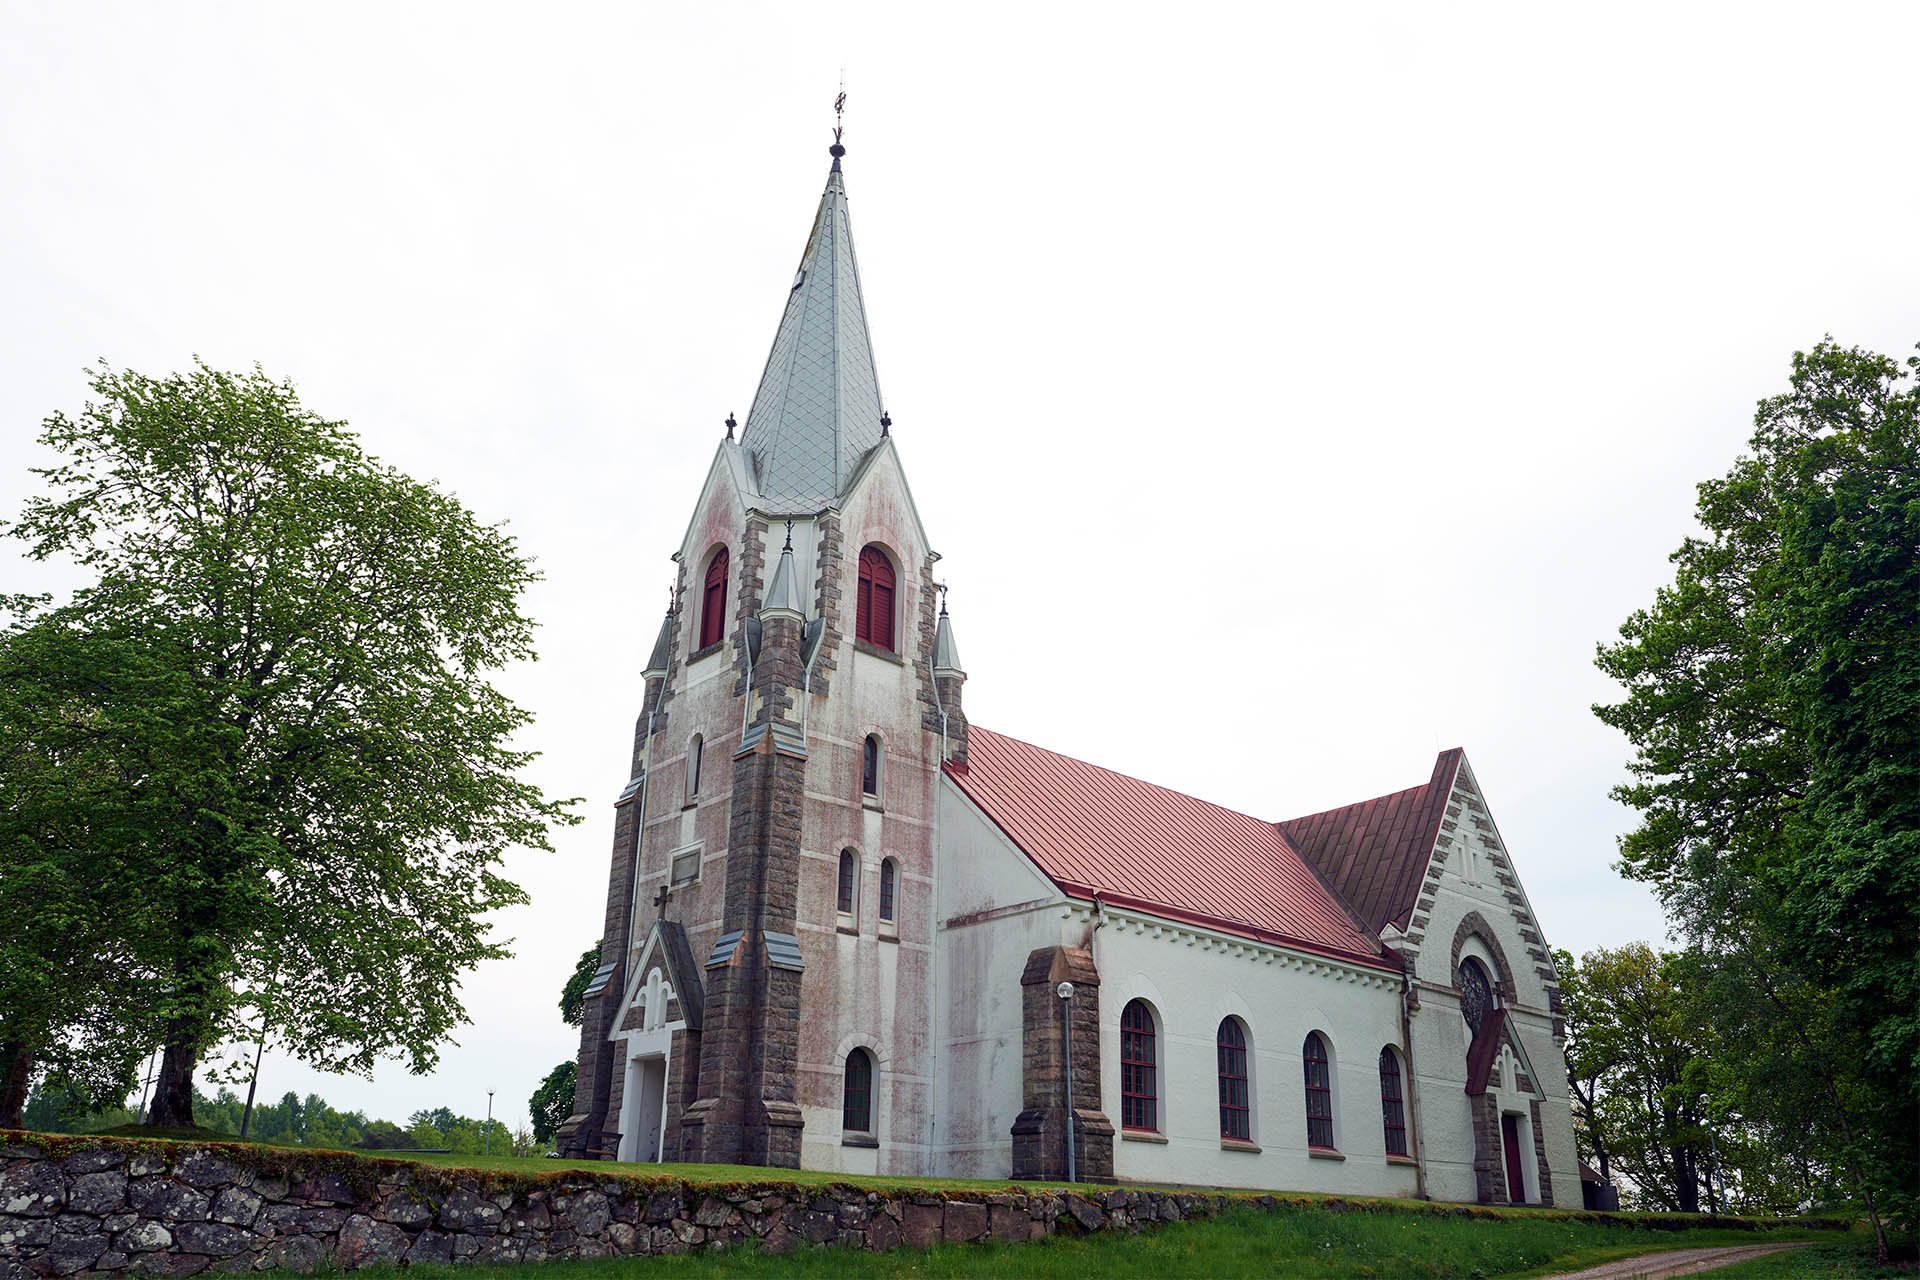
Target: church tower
(764, 994)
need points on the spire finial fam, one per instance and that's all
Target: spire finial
(789, 545)
(886, 423)
(731, 424)
(839, 105)
(943, 598)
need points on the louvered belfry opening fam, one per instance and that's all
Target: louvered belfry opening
(713, 601)
(873, 621)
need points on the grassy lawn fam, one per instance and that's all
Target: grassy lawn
(1312, 1243)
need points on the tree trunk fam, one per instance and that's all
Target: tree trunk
(16, 1068)
(172, 1106)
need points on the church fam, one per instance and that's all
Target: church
(848, 930)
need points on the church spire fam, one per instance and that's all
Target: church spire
(818, 410)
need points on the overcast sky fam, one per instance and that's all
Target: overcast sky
(1292, 391)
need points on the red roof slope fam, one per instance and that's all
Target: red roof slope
(1094, 831)
(1374, 853)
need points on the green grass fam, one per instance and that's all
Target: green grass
(1826, 1261)
(1307, 1242)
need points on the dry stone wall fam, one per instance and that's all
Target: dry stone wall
(93, 1206)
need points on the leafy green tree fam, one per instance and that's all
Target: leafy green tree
(337, 789)
(552, 1102)
(1773, 702)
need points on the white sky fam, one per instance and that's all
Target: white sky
(1293, 391)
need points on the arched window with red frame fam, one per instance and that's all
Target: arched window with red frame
(873, 612)
(1393, 1113)
(713, 601)
(1139, 1078)
(1313, 1057)
(1236, 1117)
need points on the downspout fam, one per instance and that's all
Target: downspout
(939, 956)
(640, 822)
(806, 679)
(940, 707)
(1413, 1086)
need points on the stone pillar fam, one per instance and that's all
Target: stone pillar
(949, 683)
(1489, 1154)
(1540, 1155)
(746, 1112)
(1039, 1132)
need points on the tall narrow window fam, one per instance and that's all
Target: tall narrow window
(873, 615)
(849, 868)
(856, 1098)
(870, 767)
(1236, 1121)
(1476, 993)
(1392, 1114)
(713, 601)
(887, 873)
(1313, 1055)
(1139, 1096)
(693, 767)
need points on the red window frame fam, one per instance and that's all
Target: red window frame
(845, 897)
(713, 601)
(1313, 1058)
(1392, 1111)
(873, 609)
(856, 1096)
(1236, 1118)
(1139, 1095)
(886, 889)
(870, 767)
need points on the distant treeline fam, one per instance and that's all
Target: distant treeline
(294, 1121)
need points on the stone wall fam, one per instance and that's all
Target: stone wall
(72, 1206)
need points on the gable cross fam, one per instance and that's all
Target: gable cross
(661, 899)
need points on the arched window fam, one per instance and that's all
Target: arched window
(873, 616)
(713, 601)
(1476, 993)
(1392, 1114)
(1313, 1056)
(1139, 1084)
(856, 1096)
(870, 767)
(1236, 1120)
(693, 767)
(849, 874)
(887, 873)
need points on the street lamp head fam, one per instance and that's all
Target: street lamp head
(1064, 991)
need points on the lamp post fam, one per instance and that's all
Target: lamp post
(486, 1140)
(1065, 992)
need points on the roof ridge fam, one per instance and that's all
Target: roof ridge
(973, 727)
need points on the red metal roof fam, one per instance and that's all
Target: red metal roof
(1095, 832)
(1374, 853)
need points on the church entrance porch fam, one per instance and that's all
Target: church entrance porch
(643, 1112)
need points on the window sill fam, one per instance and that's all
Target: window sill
(693, 803)
(1141, 1135)
(1239, 1144)
(859, 1140)
(1405, 1160)
(868, 647)
(850, 930)
(1324, 1153)
(707, 652)
(871, 802)
(889, 934)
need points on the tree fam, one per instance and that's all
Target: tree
(325, 804)
(552, 1102)
(1773, 702)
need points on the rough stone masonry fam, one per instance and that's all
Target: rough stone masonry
(94, 1206)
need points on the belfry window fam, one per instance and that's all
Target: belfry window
(1313, 1057)
(1139, 1082)
(1236, 1118)
(713, 601)
(873, 613)
(856, 1098)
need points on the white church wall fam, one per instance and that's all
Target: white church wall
(994, 909)
(1194, 978)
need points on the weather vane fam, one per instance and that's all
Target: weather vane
(839, 105)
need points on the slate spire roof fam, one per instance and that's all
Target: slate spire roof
(817, 412)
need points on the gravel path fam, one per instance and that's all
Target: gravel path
(1675, 1262)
